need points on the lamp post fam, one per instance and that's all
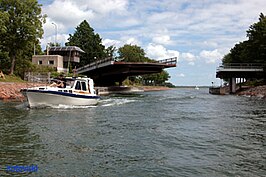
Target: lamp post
(55, 38)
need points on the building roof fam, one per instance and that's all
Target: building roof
(66, 48)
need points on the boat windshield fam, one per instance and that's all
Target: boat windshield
(70, 83)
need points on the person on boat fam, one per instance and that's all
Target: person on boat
(60, 82)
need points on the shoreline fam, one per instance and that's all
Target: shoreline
(11, 90)
(155, 88)
(256, 91)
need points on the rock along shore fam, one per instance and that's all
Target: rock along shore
(155, 88)
(11, 90)
(259, 91)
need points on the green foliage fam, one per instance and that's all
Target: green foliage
(170, 85)
(254, 49)
(23, 66)
(4, 61)
(52, 44)
(11, 78)
(132, 53)
(85, 38)
(24, 20)
(156, 79)
(3, 20)
(110, 51)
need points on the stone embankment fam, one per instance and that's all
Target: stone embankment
(155, 88)
(11, 90)
(259, 91)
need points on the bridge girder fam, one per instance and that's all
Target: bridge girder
(119, 71)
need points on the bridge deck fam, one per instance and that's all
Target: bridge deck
(171, 62)
(240, 70)
(107, 71)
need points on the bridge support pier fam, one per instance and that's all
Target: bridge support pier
(232, 85)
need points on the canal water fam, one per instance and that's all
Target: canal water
(181, 132)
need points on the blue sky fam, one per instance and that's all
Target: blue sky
(199, 32)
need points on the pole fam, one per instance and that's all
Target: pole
(55, 38)
(68, 63)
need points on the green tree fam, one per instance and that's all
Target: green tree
(254, 49)
(240, 53)
(52, 44)
(23, 23)
(85, 38)
(4, 60)
(110, 51)
(156, 78)
(3, 20)
(257, 40)
(23, 62)
(132, 53)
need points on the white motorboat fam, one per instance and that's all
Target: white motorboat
(74, 92)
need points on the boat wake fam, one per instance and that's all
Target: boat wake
(61, 106)
(102, 103)
(115, 102)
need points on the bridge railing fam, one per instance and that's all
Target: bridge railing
(170, 61)
(95, 63)
(241, 66)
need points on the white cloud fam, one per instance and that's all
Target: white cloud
(67, 13)
(162, 39)
(104, 6)
(180, 75)
(211, 56)
(189, 57)
(160, 52)
(131, 40)
(162, 17)
(121, 42)
(111, 42)
(60, 38)
(207, 29)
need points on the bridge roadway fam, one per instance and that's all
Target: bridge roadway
(232, 71)
(108, 71)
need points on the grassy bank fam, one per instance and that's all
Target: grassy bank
(12, 78)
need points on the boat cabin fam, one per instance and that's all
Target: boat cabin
(84, 85)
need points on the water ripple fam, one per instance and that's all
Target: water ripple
(180, 132)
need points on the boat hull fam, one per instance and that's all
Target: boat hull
(50, 98)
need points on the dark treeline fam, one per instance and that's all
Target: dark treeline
(252, 50)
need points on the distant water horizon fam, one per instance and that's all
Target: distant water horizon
(178, 132)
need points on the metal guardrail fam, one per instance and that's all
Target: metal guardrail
(96, 63)
(241, 66)
(171, 61)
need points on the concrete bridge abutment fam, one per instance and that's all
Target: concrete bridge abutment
(232, 85)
